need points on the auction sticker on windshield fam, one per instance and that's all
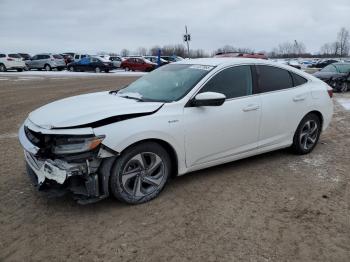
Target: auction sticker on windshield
(202, 67)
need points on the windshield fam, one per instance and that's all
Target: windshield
(329, 68)
(345, 68)
(167, 83)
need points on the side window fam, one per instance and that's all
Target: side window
(35, 57)
(2, 55)
(298, 80)
(46, 57)
(273, 78)
(76, 57)
(232, 82)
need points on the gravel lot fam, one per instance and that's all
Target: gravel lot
(273, 207)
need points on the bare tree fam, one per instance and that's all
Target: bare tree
(343, 42)
(125, 52)
(142, 51)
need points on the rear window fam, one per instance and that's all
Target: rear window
(15, 56)
(57, 56)
(273, 78)
(298, 80)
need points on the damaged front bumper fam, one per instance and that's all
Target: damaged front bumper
(85, 176)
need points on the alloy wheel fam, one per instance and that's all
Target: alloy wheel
(308, 135)
(2, 68)
(143, 174)
(97, 70)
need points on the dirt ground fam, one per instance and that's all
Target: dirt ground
(273, 207)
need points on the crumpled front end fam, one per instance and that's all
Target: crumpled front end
(67, 161)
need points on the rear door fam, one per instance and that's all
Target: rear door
(285, 99)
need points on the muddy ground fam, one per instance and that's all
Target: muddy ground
(273, 207)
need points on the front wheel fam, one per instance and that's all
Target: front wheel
(47, 68)
(2, 68)
(140, 173)
(97, 70)
(307, 134)
(71, 69)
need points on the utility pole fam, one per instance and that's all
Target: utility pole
(187, 39)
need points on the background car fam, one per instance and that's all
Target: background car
(154, 59)
(77, 56)
(11, 62)
(138, 64)
(96, 64)
(116, 60)
(324, 63)
(67, 58)
(47, 62)
(25, 56)
(334, 75)
(241, 55)
(172, 58)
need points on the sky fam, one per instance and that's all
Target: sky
(93, 26)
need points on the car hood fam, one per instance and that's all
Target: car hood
(85, 110)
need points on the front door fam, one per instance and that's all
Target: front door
(217, 133)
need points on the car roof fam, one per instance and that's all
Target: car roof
(225, 61)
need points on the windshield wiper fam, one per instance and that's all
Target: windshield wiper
(135, 98)
(116, 91)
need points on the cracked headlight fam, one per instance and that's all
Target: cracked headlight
(71, 145)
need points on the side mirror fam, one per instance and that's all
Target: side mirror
(209, 99)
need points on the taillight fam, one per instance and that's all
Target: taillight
(330, 92)
(10, 59)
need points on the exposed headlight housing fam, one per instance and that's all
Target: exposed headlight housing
(76, 144)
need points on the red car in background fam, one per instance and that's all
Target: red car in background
(138, 64)
(240, 55)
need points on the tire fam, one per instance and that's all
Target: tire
(19, 70)
(2, 68)
(71, 69)
(127, 69)
(97, 70)
(107, 70)
(307, 134)
(140, 173)
(47, 67)
(343, 87)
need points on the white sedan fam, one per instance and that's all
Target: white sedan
(179, 118)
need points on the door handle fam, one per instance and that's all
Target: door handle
(250, 108)
(299, 98)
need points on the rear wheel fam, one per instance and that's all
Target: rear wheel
(71, 68)
(107, 70)
(307, 134)
(2, 68)
(19, 70)
(140, 173)
(97, 70)
(127, 69)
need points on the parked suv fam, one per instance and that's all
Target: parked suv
(10, 62)
(46, 62)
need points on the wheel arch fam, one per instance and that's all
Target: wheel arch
(167, 146)
(319, 114)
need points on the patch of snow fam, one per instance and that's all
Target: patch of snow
(65, 74)
(345, 102)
